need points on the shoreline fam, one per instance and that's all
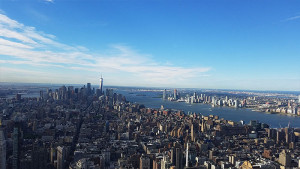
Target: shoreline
(252, 109)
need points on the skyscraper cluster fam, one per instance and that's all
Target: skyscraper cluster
(65, 93)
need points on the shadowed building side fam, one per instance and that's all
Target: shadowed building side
(2, 151)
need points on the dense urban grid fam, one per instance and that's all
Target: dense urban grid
(84, 128)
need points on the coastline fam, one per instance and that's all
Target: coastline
(252, 109)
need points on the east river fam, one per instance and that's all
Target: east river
(151, 99)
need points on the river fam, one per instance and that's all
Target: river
(151, 99)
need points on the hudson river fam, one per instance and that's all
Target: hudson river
(150, 99)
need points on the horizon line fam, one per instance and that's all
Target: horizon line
(156, 87)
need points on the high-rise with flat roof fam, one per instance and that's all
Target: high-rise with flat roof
(61, 157)
(89, 88)
(179, 156)
(285, 158)
(144, 162)
(187, 155)
(165, 94)
(175, 94)
(16, 148)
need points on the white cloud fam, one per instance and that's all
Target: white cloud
(9, 22)
(14, 44)
(293, 18)
(24, 45)
(33, 76)
(6, 33)
(49, 1)
(21, 71)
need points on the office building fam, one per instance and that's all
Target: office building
(179, 157)
(109, 93)
(175, 94)
(16, 148)
(88, 88)
(18, 97)
(39, 157)
(144, 162)
(187, 155)
(165, 94)
(285, 158)
(2, 151)
(61, 153)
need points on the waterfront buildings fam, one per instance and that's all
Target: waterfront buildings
(282, 105)
(165, 94)
(175, 94)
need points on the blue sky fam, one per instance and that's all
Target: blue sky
(221, 44)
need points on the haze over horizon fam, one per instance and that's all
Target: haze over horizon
(296, 92)
(246, 45)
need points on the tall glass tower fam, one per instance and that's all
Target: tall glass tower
(165, 94)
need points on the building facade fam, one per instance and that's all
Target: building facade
(2, 151)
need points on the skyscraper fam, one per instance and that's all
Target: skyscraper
(16, 146)
(144, 162)
(192, 132)
(187, 155)
(165, 94)
(61, 157)
(101, 84)
(175, 94)
(39, 156)
(285, 158)
(236, 103)
(109, 95)
(179, 162)
(2, 151)
(89, 88)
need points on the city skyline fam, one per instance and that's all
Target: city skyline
(69, 127)
(213, 45)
